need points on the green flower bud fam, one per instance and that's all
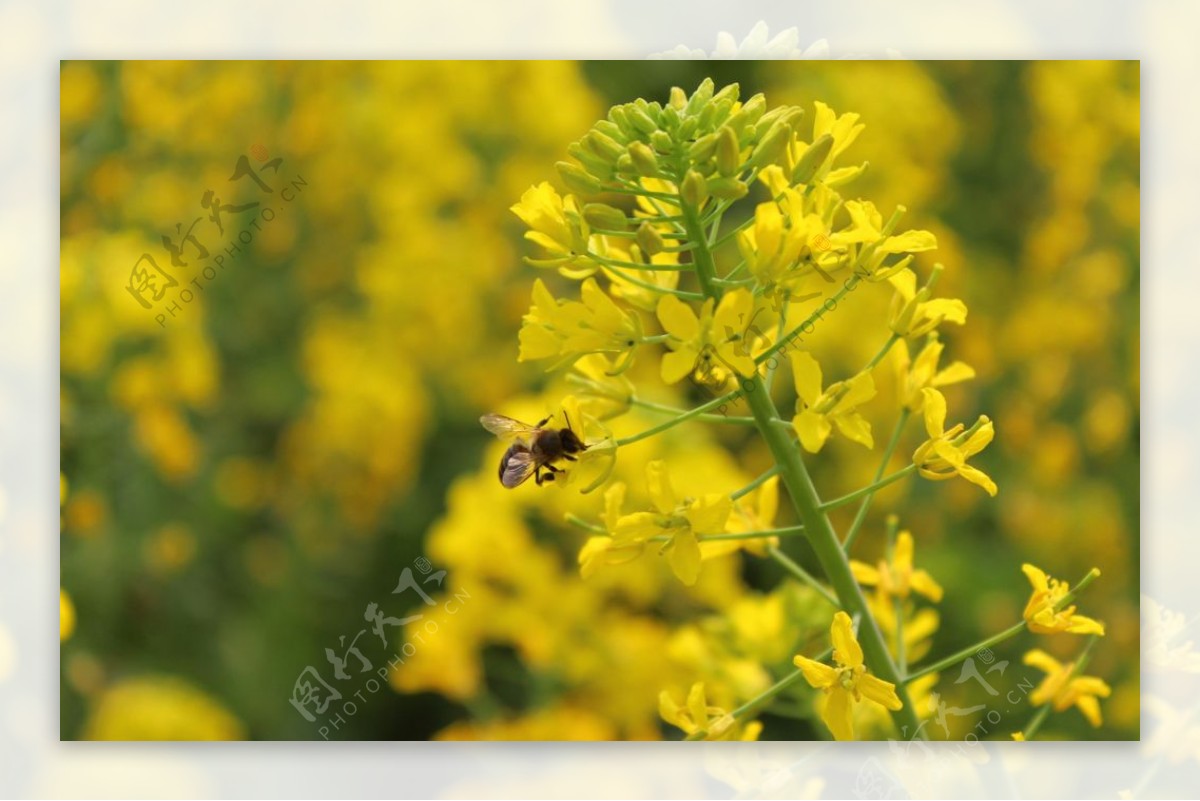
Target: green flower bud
(728, 188)
(772, 146)
(649, 239)
(703, 148)
(746, 116)
(601, 215)
(812, 159)
(590, 161)
(728, 152)
(790, 115)
(729, 93)
(700, 97)
(694, 190)
(687, 129)
(610, 128)
(618, 115)
(644, 160)
(678, 98)
(640, 119)
(670, 119)
(604, 146)
(625, 165)
(662, 142)
(576, 179)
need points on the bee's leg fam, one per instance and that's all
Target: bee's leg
(552, 468)
(569, 457)
(549, 476)
(537, 476)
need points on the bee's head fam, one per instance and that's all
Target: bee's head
(571, 443)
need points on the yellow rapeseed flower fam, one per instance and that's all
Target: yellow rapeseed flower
(556, 224)
(914, 313)
(695, 341)
(603, 550)
(847, 682)
(897, 578)
(817, 409)
(915, 375)
(696, 718)
(679, 521)
(753, 513)
(944, 455)
(571, 329)
(1040, 614)
(1064, 690)
(782, 236)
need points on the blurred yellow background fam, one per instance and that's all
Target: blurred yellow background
(242, 480)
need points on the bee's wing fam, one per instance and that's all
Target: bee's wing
(506, 427)
(518, 467)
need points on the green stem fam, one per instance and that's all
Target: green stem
(662, 290)
(869, 490)
(688, 415)
(805, 577)
(779, 329)
(878, 357)
(861, 516)
(893, 523)
(576, 520)
(969, 651)
(706, 267)
(636, 265)
(707, 418)
(827, 547)
(633, 234)
(795, 332)
(788, 531)
(756, 483)
(731, 234)
(1036, 721)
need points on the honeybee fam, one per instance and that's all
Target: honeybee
(534, 450)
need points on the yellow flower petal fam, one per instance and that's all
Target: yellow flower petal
(697, 705)
(1078, 624)
(979, 479)
(855, 428)
(678, 319)
(923, 583)
(709, 514)
(1037, 577)
(935, 412)
(812, 428)
(863, 573)
(859, 389)
(817, 674)
(807, 375)
(658, 484)
(684, 555)
(836, 714)
(880, 691)
(846, 650)
(953, 374)
(677, 364)
(1090, 708)
(1042, 661)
